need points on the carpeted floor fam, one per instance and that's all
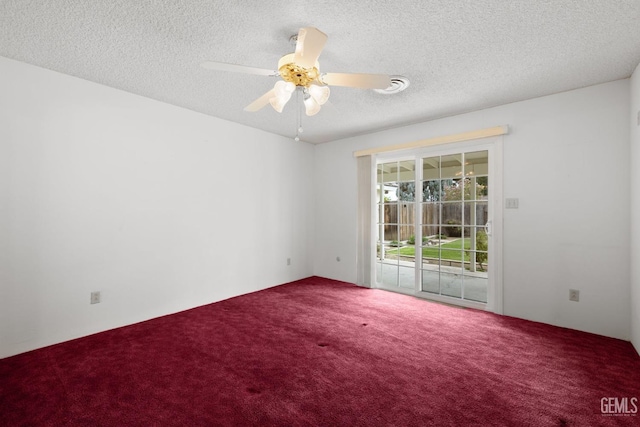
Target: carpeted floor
(326, 353)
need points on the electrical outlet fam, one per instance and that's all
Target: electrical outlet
(574, 295)
(288, 261)
(95, 297)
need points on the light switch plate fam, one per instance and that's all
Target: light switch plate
(95, 297)
(511, 203)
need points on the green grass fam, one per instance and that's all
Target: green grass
(453, 253)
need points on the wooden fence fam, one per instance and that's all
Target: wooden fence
(399, 219)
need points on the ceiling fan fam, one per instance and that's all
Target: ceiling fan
(301, 70)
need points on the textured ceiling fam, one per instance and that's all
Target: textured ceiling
(459, 55)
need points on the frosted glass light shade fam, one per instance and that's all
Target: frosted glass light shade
(320, 94)
(311, 106)
(282, 91)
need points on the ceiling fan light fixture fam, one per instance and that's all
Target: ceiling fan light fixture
(320, 94)
(282, 91)
(311, 106)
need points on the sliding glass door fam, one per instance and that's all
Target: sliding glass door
(396, 207)
(435, 213)
(454, 223)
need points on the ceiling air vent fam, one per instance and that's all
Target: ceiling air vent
(398, 84)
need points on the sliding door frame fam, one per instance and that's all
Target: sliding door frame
(495, 283)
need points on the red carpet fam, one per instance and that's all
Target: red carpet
(320, 352)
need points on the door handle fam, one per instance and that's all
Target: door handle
(487, 228)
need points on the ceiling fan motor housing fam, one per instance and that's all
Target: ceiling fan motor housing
(294, 73)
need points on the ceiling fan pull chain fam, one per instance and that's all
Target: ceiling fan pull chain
(299, 129)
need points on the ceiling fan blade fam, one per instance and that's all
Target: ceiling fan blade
(309, 46)
(221, 66)
(363, 81)
(260, 102)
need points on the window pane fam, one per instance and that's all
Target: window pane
(475, 287)
(452, 214)
(406, 231)
(390, 232)
(389, 274)
(451, 166)
(431, 280)
(451, 231)
(406, 191)
(466, 233)
(406, 181)
(476, 277)
(476, 163)
(407, 170)
(480, 259)
(483, 187)
(430, 232)
(470, 188)
(431, 213)
(451, 282)
(407, 277)
(431, 190)
(452, 189)
(389, 192)
(451, 257)
(390, 213)
(430, 254)
(431, 168)
(389, 172)
(481, 213)
(406, 213)
(434, 240)
(430, 257)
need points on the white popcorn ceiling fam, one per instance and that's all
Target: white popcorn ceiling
(460, 56)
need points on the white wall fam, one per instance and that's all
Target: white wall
(566, 159)
(159, 208)
(635, 208)
(104, 190)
